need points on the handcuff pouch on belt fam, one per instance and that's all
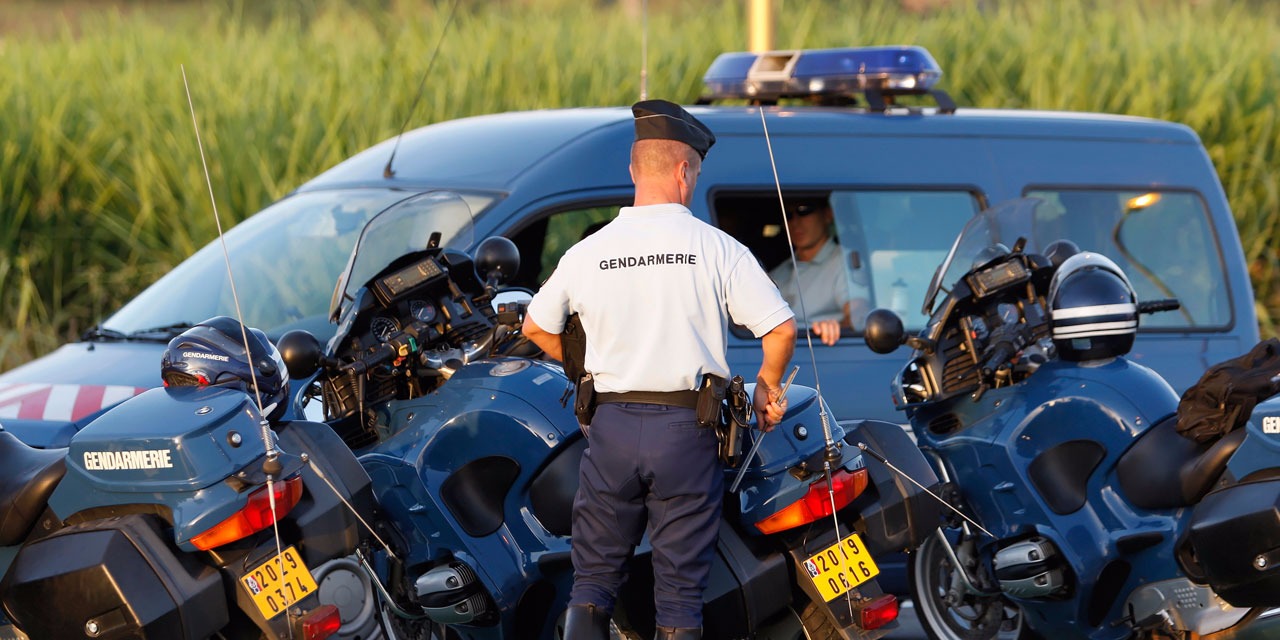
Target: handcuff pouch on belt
(710, 401)
(573, 345)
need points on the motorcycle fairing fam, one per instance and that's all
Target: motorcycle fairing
(1108, 545)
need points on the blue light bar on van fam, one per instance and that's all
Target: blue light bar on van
(821, 72)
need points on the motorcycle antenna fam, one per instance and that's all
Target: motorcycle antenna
(832, 454)
(389, 172)
(863, 446)
(833, 451)
(271, 466)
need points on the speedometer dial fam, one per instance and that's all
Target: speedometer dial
(422, 311)
(383, 328)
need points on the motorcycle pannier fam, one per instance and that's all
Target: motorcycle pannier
(1235, 533)
(112, 578)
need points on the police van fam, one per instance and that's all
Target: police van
(866, 131)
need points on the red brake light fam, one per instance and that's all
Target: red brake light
(879, 612)
(816, 502)
(254, 516)
(322, 622)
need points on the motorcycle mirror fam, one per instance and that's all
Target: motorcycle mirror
(497, 260)
(1058, 251)
(884, 331)
(301, 353)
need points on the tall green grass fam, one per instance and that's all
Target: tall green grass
(101, 189)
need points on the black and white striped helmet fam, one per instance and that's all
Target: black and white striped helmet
(1092, 308)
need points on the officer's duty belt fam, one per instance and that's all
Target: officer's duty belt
(686, 399)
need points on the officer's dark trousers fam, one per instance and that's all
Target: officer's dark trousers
(648, 465)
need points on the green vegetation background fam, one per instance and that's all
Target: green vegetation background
(101, 189)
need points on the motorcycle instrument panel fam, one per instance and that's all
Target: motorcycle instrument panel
(841, 567)
(278, 583)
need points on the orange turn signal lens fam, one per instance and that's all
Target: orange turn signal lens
(254, 516)
(816, 503)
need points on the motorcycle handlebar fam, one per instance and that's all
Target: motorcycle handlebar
(1156, 306)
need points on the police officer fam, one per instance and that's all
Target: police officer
(654, 290)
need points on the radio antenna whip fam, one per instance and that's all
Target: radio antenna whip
(832, 454)
(271, 466)
(388, 172)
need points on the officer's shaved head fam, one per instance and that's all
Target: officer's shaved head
(656, 157)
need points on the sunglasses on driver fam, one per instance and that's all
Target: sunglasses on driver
(802, 210)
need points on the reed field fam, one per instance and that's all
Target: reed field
(101, 188)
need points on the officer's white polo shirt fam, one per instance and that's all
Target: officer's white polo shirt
(656, 289)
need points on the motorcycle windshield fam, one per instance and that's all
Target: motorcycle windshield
(989, 234)
(408, 227)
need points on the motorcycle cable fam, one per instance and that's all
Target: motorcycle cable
(832, 450)
(271, 466)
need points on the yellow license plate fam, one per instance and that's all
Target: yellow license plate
(273, 591)
(841, 567)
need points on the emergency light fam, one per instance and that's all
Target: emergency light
(826, 75)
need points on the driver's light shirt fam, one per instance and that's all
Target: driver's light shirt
(822, 281)
(655, 290)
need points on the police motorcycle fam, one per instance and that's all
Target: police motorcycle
(190, 511)
(473, 448)
(1084, 512)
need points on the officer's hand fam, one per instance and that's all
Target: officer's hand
(827, 330)
(769, 405)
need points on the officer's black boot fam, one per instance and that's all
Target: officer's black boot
(672, 633)
(586, 622)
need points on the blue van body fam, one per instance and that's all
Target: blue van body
(540, 177)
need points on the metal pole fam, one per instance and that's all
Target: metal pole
(760, 25)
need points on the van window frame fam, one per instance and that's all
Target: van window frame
(1205, 209)
(789, 191)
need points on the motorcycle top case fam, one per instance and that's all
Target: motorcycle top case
(1235, 533)
(168, 446)
(113, 578)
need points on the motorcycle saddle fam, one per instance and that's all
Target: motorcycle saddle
(26, 482)
(1165, 470)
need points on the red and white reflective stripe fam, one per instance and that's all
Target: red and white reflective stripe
(60, 402)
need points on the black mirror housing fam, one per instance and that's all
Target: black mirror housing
(301, 353)
(884, 331)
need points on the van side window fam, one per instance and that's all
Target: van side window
(889, 243)
(546, 239)
(1162, 239)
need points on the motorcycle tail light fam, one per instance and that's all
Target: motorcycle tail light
(816, 502)
(879, 612)
(254, 516)
(322, 622)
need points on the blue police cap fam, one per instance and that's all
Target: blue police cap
(662, 120)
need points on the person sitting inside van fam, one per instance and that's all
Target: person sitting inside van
(822, 277)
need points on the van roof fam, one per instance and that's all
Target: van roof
(491, 152)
